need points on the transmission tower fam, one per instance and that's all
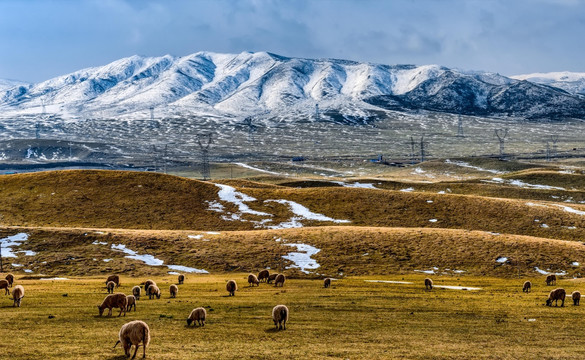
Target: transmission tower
(501, 134)
(205, 155)
(554, 139)
(251, 129)
(460, 127)
(412, 151)
(422, 148)
(155, 157)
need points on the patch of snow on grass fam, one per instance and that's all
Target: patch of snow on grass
(16, 265)
(187, 269)
(215, 206)
(99, 243)
(543, 272)
(302, 259)
(196, 237)
(501, 259)
(28, 271)
(108, 260)
(257, 169)
(430, 272)
(468, 165)
(433, 220)
(452, 287)
(575, 263)
(389, 282)
(410, 189)
(131, 254)
(522, 184)
(173, 273)
(356, 185)
(305, 213)
(229, 194)
(213, 232)
(12, 241)
(544, 226)
(571, 210)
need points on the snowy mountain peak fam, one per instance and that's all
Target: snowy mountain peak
(236, 85)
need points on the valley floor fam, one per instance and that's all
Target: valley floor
(353, 319)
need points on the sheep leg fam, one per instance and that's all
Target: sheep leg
(110, 312)
(135, 351)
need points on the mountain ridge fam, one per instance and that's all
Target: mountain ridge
(233, 86)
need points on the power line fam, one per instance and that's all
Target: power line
(501, 134)
(205, 172)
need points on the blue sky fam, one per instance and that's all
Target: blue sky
(43, 39)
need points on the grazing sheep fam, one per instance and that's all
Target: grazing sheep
(10, 279)
(576, 295)
(280, 316)
(153, 291)
(134, 333)
(197, 316)
(147, 284)
(271, 278)
(231, 287)
(131, 302)
(136, 292)
(263, 275)
(428, 284)
(4, 285)
(556, 295)
(173, 289)
(551, 280)
(17, 295)
(527, 287)
(111, 301)
(110, 286)
(115, 279)
(327, 282)
(279, 280)
(252, 279)
(181, 279)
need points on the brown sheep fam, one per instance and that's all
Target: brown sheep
(576, 295)
(527, 287)
(147, 284)
(153, 291)
(4, 285)
(197, 316)
(136, 292)
(181, 279)
(551, 280)
(428, 284)
(111, 301)
(131, 302)
(280, 316)
(17, 295)
(134, 333)
(279, 280)
(173, 289)
(327, 282)
(252, 279)
(556, 295)
(115, 279)
(271, 278)
(231, 287)
(263, 275)
(110, 287)
(10, 279)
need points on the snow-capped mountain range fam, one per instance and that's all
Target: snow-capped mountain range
(233, 86)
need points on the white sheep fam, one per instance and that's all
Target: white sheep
(231, 287)
(134, 333)
(198, 316)
(136, 292)
(280, 316)
(131, 302)
(17, 295)
(173, 289)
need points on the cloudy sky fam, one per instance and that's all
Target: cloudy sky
(43, 39)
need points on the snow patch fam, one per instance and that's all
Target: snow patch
(302, 259)
(12, 241)
(305, 213)
(410, 189)
(229, 194)
(54, 278)
(501, 259)
(187, 269)
(108, 260)
(152, 261)
(467, 165)
(430, 272)
(196, 237)
(257, 169)
(433, 220)
(451, 287)
(543, 272)
(575, 263)
(389, 282)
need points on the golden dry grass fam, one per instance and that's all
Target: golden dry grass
(344, 251)
(353, 319)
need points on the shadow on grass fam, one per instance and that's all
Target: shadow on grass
(273, 330)
(122, 357)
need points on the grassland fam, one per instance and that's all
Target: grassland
(73, 218)
(353, 319)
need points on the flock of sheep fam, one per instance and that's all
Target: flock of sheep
(137, 333)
